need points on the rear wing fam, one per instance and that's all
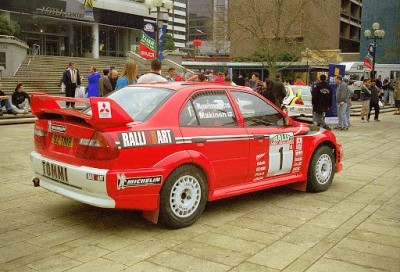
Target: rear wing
(105, 112)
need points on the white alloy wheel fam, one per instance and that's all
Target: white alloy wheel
(323, 169)
(185, 196)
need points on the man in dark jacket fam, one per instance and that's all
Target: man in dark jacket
(365, 98)
(71, 79)
(279, 90)
(321, 101)
(374, 100)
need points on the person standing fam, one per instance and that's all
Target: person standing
(155, 73)
(350, 93)
(374, 100)
(299, 82)
(128, 74)
(93, 80)
(396, 96)
(321, 100)
(268, 90)
(171, 74)
(257, 83)
(71, 80)
(113, 78)
(365, 96)
(279, 90)
(240, 80)
(341, 98)
(385, 88)
(104, 84)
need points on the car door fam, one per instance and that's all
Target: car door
(211, 133)
(272, 143)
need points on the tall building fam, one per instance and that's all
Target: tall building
(350, 25)
(88, 28)
(207, 21)
(177, 23)
(387, 14)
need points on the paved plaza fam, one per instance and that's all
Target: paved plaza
(354, 226)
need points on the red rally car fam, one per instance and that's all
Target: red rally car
(167, 149)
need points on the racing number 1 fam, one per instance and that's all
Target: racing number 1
(280, 154)
(281, 157)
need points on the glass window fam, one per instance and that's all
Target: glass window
(208, 109)
(256, 112)
(3, 60)
(139, 102)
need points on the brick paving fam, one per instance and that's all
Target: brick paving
(354, 226)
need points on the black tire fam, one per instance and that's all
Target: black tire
(321, 170)
(183, 197)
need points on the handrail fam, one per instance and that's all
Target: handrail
(36, 50)
(142, 61)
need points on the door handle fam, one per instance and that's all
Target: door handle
(259, 136)
(199, 140)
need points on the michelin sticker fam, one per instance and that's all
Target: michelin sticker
(104, 109)
(124, 182)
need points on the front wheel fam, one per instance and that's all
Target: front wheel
(321, 170)
(183, 197)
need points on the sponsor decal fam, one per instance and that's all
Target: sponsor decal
(213, 115)
(146, 138)
(259, 174)
(260, 163)
(299, 153)
(263, 168)
(260, 156)
(124, 182)
(281, 139)
(296, 164)
(57, 128)
(54, 171)
(148, 27)
(296, 169)
(297, 159)
(104, 109)
(299, 143)
(94, 177)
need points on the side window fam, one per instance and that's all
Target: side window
(208, 109)
(256, 112)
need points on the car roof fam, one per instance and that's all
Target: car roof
(180, 85)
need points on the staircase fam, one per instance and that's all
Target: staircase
(43, 73)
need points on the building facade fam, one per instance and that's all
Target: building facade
(387, 14)
(208, 22)
(350, 25)
(85, 27)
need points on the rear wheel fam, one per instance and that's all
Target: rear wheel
(321, 170)
(183, 197)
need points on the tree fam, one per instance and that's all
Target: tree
(8, 27)
(168, 43)
(281, 29)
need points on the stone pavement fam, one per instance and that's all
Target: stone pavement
(354, 226)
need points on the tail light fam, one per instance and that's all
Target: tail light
(39, 138)
(99, 147)
(299, 102)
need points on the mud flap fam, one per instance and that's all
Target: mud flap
(151, 216)
(300, 186)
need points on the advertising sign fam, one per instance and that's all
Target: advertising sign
(147, 40)
(331, 116)
(163, 32)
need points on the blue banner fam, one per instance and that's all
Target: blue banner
(334, 70)
(161, 37)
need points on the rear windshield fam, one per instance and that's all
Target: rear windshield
(140, 102)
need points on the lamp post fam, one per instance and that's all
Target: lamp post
(307, 55)
(378, 35)
(161, 6)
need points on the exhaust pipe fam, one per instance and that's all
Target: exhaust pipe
(36, 182)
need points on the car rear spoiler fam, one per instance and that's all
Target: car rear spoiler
(105, 112)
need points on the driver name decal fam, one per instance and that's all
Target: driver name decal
(104, 109)
(146, 138)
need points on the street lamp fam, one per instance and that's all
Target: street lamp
(162, 6)
(307, 55)
(378, 35)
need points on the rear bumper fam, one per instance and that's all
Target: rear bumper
(83, 184)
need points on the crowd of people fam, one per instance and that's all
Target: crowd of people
(374, 93)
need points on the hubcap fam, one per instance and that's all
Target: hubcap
(323, 169)
(185, 196)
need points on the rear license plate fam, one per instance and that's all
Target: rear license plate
(62, 140)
